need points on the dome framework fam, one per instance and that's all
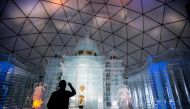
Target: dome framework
(34, 30)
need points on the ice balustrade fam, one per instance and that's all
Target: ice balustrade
(163, 82)
(140, 89)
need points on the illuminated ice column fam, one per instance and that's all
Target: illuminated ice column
(161, 85)
(169, 72)
(114, 83)
(52, 78)
(140, 89)
(85, 72)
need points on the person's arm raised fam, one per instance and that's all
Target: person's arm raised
(72, 89)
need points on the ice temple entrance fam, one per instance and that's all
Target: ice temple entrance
(91, 74)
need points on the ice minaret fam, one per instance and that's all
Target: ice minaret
(115, 91)
(85, 71)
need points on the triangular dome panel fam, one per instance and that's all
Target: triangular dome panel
(39, 11)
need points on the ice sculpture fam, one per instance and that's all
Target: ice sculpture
(38, 96)
(163, 83)
(97, 81)
(16, 83)
(5, 70)
(85, 72)
(161, 86)
(114, 94)
(124, 100)
(170, 73)
(140, 89)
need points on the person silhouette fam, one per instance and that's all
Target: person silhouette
(60, 98)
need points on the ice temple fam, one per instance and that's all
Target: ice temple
(99, 82)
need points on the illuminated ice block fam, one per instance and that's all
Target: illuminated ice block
(116, 94)
(85, 72)
(16, 83)
(6, 69)
(163, 83)
(98, 82)
(86, 75)
(140, 89)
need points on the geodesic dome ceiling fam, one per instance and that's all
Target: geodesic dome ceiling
(33, 30)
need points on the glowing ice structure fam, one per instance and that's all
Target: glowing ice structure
(163, 83)
(170, 73)
(124, 101)
(5, 68)
(163, 95)
(115, 94)
(150, 88)
(85, 71)
(16, 83)
(38, 96)
(140, 89)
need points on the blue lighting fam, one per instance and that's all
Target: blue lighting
(166, 76)
(5, 68)
(161, 85)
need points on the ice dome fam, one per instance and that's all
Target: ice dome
(86, 47)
